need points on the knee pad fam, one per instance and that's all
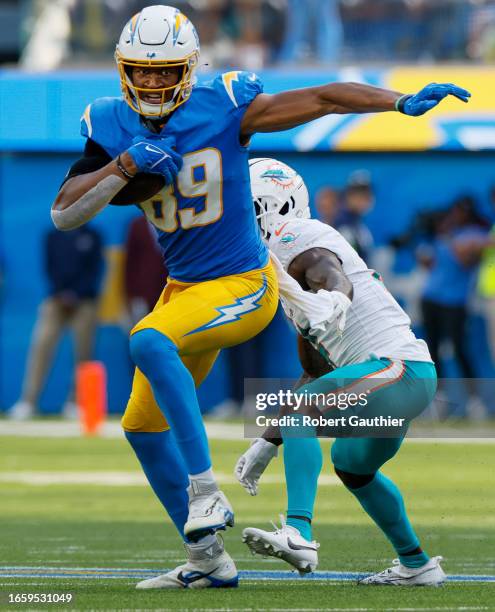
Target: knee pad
(354, 481)
(148, 346)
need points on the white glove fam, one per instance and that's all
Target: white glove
(319, 308)
(253, 463)
(341, 304)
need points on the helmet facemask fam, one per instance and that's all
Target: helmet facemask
(159, 37)
(279, 194)
(271, 212)
(181, 91)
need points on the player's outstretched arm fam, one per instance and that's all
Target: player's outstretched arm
(273, 113)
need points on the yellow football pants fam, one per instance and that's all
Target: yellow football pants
(201, 319)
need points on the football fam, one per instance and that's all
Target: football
(139, 189)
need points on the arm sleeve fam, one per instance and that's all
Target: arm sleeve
(93, 158)
(140, 188)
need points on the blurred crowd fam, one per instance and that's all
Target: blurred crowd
(451, 283)
(255, 33)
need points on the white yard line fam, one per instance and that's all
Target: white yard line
(247, 575)
(111, 429)
(123, 479)
(217, 431)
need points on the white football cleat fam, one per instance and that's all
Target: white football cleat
(21, 411)
(209, 510)
(208, 567)
(70, 411)
(430, 574)
(285, 543)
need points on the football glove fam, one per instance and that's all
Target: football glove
(253, 463)
(426, 99)
(156, 156)
(326, 308)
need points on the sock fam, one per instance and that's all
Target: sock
(173, 387)
(206, 475)
(303, 461)
(205, 542)
(382, 500)
(302, 525)
(418, 559)
(165, 471)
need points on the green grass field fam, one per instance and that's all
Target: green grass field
(101, 516)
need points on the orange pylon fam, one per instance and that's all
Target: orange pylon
(91, 396)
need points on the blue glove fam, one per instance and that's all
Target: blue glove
(156, 156)
(431, 95)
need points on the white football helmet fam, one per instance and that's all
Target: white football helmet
(279, 194)
(158, 37)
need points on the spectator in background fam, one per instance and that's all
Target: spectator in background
(251, 51)
(481, 45)
(73, 265)
(312, 22)
(144, 271)
(327, 205)
(486, 283)
(250, 33)
(357, 201)
(452, 263)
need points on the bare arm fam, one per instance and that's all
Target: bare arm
(313, 363)
(272, 113)
(319, 268)
(314, 366)
(314, 269)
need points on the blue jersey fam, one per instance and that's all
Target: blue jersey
(205, 220)
(449, 281)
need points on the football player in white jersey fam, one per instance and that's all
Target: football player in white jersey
(350, 329)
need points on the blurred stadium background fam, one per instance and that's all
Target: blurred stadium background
(401, 189)
(395, 184)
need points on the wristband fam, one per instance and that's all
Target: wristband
(400, 102)
(120, 166)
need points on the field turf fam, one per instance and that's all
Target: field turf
(79, 503)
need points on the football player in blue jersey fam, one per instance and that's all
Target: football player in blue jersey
(192, 141)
